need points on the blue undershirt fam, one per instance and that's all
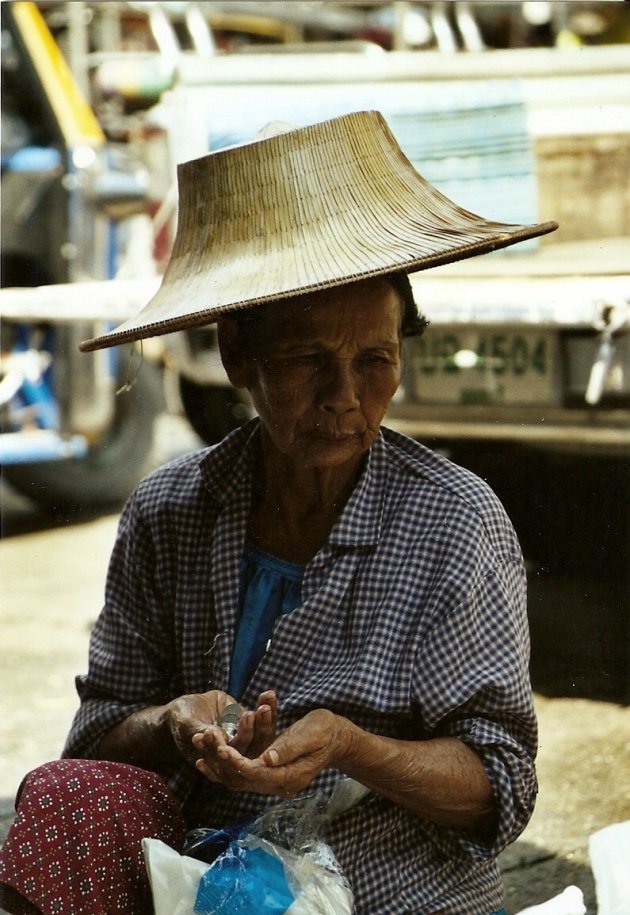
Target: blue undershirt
(269, 587)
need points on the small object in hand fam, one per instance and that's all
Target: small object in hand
(229, 718)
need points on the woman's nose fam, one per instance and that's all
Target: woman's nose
(339, 389)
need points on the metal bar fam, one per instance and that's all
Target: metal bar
(525, 63)
(106, 300)
(587, 436)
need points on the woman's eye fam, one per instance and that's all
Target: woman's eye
(374, 358)
(308, 358)
(301, 360)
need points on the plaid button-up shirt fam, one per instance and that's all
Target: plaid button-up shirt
(412, 623)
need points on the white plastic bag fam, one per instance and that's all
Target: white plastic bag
(609, 850)
(174, 878)
(322, 892)
(569, 902)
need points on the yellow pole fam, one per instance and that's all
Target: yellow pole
(76, 120)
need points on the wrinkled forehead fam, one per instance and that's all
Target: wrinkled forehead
(366, 301)
(352, 317)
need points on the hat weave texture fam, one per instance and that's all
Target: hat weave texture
(306, 210)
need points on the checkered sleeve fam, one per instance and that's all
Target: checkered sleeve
(472, 675)
(131, 647)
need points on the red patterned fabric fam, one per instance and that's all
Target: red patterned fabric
(75, 844)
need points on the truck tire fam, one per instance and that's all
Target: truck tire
(112, 467)
(212, 410)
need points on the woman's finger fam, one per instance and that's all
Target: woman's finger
(304, 738)
(264, 730)
(209, 738)
(269, 700)
(245, 733)
(209, 771)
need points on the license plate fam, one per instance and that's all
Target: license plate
(467, 365)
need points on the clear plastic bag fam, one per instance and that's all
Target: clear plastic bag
(276, 864)
(256, 877)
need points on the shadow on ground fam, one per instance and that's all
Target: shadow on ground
(533, 875)
(19, 516)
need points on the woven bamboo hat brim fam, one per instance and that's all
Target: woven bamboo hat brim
(302, 211)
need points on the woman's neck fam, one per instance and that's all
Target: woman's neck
(295, 507)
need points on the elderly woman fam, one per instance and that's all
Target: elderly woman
(360, 596)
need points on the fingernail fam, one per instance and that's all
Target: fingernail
(273, 757)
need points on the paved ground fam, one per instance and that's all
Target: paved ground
(52, 579)
(584, 775)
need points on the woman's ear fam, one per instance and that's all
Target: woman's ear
(232, 350)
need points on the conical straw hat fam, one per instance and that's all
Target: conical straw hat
(305, 210)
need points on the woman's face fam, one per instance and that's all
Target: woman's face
(322, 369)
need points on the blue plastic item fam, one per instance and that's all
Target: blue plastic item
(247, 882)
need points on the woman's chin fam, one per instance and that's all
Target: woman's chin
(321, 451)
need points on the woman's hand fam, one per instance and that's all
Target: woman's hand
(288, 764)
(256, 730)
(189, 715)
(158, 736)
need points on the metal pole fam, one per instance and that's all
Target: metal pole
(78, 44)
(399, 42)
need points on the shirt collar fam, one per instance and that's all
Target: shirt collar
(227, 470)
(361, 520)
(227, 467)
